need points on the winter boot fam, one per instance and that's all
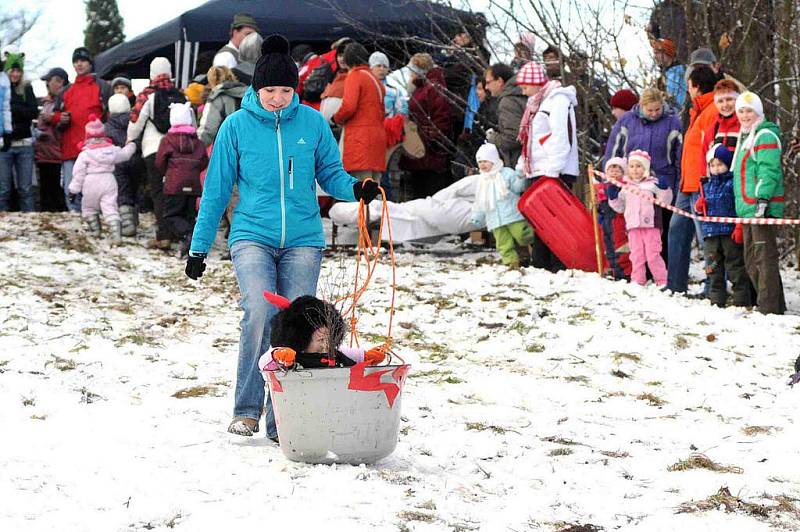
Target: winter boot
(92, 225)
(154, 243)
(115, 230)
(130, 220)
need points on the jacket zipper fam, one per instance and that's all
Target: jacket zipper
(280, 166)
(291, 173)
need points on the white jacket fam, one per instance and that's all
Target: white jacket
(554, 151)
(152, 136)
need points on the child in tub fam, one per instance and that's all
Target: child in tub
(308, 333)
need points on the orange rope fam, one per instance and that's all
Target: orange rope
(371, 254)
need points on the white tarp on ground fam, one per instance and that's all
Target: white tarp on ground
(447, 212)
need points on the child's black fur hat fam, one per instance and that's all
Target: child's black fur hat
(294, 326)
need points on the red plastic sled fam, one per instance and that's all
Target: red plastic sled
(562, 222)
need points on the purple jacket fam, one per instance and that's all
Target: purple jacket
(640, 213)
(662, 139)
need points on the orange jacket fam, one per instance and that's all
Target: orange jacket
(693, 159)
(361, 114)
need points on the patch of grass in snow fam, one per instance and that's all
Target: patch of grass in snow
(681, 342)
(701, 461)
(753, 430)
(652, 399)
(61, 364)
(560, 441)
(69, 240)
(561, 451)
(535, 347)
(413, 515)
(653, 383)
(3, 364)
(584, 315)
(204, 390)
(620, 374)
(397, 478)
(620, 356)
(480, 427)
(577, 378)
(723, 499)
(28, 401)
(519, 327)
(565, 527)
(616, 454)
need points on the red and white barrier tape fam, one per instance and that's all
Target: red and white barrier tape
(714, 219)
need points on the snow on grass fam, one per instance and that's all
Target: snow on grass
(535, 401)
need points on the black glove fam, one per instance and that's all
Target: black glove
(6, 142)
(366, 190)
(612, 192)
(72, 197)
(195, 265)
(761, 208)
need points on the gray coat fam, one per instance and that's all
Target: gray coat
(510, 109)
(223, 101)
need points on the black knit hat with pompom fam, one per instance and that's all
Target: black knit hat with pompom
(275, 67)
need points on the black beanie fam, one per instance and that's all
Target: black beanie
(275, 67)
(82, 53)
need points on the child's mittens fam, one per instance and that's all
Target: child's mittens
(700, 205)
(374, 356)
(284, 356)
(738, 234)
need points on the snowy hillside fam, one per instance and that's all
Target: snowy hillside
(535, 401)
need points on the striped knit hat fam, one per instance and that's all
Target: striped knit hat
(532, 73)
(94, 128)
(642, 157)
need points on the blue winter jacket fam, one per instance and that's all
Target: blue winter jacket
(275, 159)
(505, 211)
(5, 105)
(661, 138)
(720, 201)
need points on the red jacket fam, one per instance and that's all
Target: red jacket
(361, 114)
(83, 98)
(181, 157)
(723, 130)
(309, 67)
(430, 110)
(693, 158)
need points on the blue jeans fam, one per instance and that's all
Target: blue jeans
(66, 174)
(682, 231)
(16, 166)
(290, 272)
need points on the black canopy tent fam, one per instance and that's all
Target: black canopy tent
(199, 32)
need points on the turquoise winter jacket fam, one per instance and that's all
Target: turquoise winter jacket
(505, 211)
(275, 159)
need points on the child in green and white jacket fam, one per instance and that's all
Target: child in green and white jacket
(496, 197)
(758, 189)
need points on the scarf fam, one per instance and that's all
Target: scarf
(491, 187)
(534, 102)
(162, 81)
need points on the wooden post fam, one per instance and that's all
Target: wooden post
(593, 204)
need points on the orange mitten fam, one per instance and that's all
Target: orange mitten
(374, 356)
(284, 356)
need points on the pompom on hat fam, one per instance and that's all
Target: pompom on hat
(275, 67)
(119, 103)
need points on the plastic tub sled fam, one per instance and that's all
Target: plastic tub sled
(338, 415)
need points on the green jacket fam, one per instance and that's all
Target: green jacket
(757, 172)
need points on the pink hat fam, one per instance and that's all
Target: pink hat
(643, 157)
(95, 128)
(532, 73)
(618, 161)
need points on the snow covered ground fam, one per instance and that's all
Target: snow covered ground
(535, 401)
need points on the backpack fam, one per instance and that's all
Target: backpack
(162, 99)
(316, 82)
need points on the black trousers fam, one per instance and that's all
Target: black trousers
(155, 181)
(180, 212)
(51, 194)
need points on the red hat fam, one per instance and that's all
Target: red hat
(624, 99)
(532, 73)
(94, 128)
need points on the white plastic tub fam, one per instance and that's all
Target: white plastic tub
(338, 415)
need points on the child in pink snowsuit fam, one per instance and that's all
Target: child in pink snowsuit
(643, 220)
(93, 176)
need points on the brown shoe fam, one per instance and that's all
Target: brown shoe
(243, 426)
(154, 243)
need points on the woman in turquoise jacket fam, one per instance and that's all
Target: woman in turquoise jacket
(275, 151)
